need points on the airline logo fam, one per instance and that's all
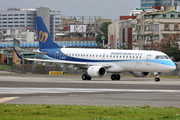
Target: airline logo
(42, 36)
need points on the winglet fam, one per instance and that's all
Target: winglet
(19, 56)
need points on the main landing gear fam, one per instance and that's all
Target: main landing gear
(157, 79)
(86, 77)
(115, 77)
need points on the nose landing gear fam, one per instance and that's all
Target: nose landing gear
(157, 78)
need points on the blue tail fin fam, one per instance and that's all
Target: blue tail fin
(45, 40)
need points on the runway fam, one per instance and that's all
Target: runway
(71, 90)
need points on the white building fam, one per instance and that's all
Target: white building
(14, 18)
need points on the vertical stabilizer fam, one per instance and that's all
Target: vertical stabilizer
(45, 40)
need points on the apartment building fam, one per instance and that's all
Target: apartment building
(151, 28)
(148, 3)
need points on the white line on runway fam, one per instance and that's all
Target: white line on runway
(7, 99)
(23, 90)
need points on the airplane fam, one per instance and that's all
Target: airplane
(99, 62)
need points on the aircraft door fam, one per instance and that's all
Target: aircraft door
(148, 59)
(56, 55)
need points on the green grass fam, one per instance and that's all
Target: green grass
(5, 67)
(81, 112)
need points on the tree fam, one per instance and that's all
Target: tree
(103, 32)
(168, 45)
(172, 50)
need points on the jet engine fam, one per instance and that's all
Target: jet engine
(96, 71)
(140, 74)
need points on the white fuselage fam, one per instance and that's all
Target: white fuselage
(118, 60)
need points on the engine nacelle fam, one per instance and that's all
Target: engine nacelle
(140, 74)
(96, 71)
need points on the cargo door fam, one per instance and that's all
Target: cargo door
(148, 59)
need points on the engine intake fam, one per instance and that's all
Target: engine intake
(140, 74)
(96, 71)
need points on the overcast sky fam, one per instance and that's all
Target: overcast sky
(108, 9)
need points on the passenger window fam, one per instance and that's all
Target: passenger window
(157, 57)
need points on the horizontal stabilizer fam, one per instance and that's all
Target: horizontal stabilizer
(22, 50)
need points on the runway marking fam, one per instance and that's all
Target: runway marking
(7, 99)
(23, 90)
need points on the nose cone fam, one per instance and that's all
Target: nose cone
(171, 66)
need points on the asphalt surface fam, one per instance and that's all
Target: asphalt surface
(71, 90)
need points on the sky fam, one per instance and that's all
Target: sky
(108, 9)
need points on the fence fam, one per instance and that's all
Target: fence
(44, 69)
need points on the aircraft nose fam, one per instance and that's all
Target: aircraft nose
(172, 68)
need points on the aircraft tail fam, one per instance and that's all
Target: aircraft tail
(45, 40)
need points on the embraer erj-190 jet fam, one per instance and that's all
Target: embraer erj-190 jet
(99, 62)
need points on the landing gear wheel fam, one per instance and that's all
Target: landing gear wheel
(118, 77)
(113, 77)
(84, 77)
(156, 79)
(88, 77)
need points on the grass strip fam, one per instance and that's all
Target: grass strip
(5, 67)
(82, 112)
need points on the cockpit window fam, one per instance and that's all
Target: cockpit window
(162, 57)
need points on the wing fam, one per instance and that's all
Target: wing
(58, 61)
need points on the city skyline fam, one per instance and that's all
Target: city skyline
(149, 3)
(106, 9)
